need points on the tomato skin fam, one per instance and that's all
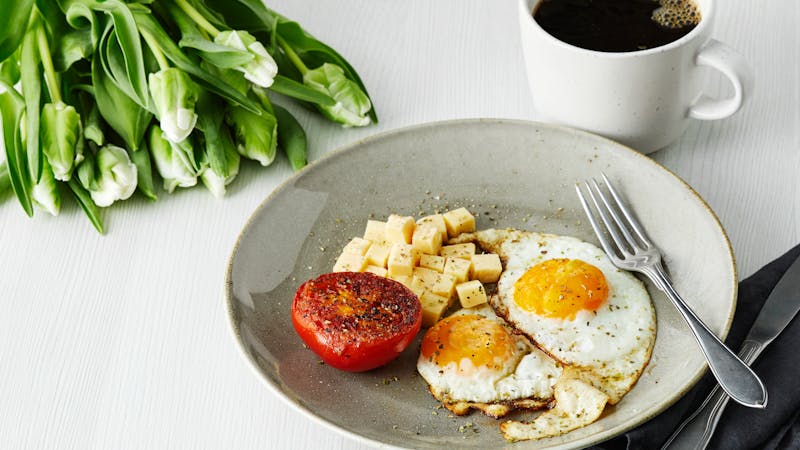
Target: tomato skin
(356, 321)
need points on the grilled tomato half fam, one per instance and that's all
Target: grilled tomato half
(356, 321)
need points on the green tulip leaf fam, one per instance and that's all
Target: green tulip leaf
(144, 172)
(12, 107)
(14, 15)
(291, 137)
(293, 89)
(127, 118)
(31, 80)
(87, 205)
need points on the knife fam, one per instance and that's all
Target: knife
(781, 306)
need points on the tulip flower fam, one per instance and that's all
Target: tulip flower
(61, 136)
(214, 182)
(352, 104)
(116, 176)
(174, 96)
(174, 162)
(255, 135)
(261, 70)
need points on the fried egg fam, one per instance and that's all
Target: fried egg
(472, 359)
(568, 298)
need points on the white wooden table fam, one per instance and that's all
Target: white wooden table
(122, 341)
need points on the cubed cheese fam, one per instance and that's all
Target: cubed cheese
(436, 220)
(402, 260)
(402, 279)
(377, 270)
(458, 268)
(427, 239)
(435, 282)
(459, 221)
(471, 293)
(417, 286)
(399, 229)
(486, 267)
(433, 306)
(375, 231)
(349, 262)
(378, 253)
(357, 246)
(432, 262)
(464, 251)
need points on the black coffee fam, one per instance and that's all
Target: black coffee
(617, 25)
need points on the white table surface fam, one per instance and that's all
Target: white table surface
(122, 341)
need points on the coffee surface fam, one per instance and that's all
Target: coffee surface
(617, 25)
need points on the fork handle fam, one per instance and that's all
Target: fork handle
(696, 431)
(733, 375)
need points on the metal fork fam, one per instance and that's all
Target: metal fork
(627, 245)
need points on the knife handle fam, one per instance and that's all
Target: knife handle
(696, 431)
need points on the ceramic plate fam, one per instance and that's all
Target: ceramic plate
(509, 174)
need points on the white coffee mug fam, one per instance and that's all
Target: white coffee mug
(641, 98)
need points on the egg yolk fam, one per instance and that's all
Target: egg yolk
(482, 341)
(559, 288)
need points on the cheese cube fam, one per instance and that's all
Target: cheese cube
(399, 229)
(432, 262)
(459, 221)
(357, 246)
(377, 270)
(427, 239)
(402, 259)
(486, 268)
(436, 220)
(428, 276)
(433, 307)
(471, 293)
(464, 251)
(378, 253)
(402, 279)
(349, 262)
(435, 282)
(375, 231)
(458, 268)
(417, 286)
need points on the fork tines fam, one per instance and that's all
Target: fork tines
(611, 218)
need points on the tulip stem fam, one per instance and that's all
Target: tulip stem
(292, 55)
(47, 63)
(155, 49)
(197, 17)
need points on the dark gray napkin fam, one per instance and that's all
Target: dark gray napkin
(777, 426)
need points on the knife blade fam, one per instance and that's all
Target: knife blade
(779, 309)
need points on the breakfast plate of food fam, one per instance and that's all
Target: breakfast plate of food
(440, 285)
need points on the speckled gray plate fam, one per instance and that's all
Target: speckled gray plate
(511, 174)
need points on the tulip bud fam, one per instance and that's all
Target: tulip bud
(214, 182)
(61, 137)
(116, 176)
(255, 135)
(174, 96)
(174, 162)
(352, 104)
(261, 70)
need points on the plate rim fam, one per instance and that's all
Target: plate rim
(342, 149)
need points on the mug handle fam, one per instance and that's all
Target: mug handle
(732, 64)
